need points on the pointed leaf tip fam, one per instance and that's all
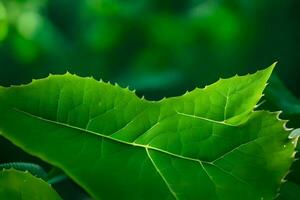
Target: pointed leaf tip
(267, 72)
(270, 69)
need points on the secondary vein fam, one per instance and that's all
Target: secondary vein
(161, 174)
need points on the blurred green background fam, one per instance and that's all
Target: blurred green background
(159, 47)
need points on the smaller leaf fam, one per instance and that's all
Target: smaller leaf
(56, 175)
(34, 169)
(280, 98)
(16, 185)
(289, 191)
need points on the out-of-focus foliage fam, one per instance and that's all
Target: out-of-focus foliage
(278, 97)
(159, 47)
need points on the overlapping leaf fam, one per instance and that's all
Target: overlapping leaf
(206, 144)
(279, 97)
(18, 185)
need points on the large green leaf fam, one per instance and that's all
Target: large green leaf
(206, 144)
(18, 185)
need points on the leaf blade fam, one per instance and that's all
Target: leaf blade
(22, 185)
(107, 126)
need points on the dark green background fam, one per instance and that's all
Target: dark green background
(161, 48)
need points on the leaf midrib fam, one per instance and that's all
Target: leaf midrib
(146, 147)
(137, 144)
(108, 137)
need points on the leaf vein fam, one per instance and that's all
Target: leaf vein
(162, 176)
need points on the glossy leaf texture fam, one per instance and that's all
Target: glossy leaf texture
(18, 185)
(208, 143)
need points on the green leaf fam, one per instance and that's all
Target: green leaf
(289, 191)
(207, 143)
(279, 97)
(24, 186)
(34, 169)
(55, 176)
